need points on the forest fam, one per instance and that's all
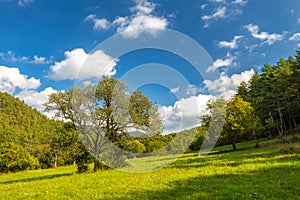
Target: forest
(265, 107)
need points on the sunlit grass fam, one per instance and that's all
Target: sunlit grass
(263, 173)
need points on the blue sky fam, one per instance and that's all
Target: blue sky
(43, 43)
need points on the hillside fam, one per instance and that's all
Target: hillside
(21, 123)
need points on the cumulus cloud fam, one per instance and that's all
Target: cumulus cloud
(226, 86)
(184, 113)
(36, 99)
(228, 61)
(142, 20)
(82, 66)
(11, 79)
(232, 44)
(264, 36)
(295, 37)
(175, 90)
(132, 28)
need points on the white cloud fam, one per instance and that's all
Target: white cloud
(232, 44)
(39, 60)
(264, 36)
(295, 37)
(175, 90)
(99, 24)
(219, 1)
(133, 27)
(24, 3)
(19, 85)
(80, 65)
(143, 7)
(10, 56)
(219, 13)
(11, 79)
(240, 2)
(298, 20)
(228, 61)
(191, 89)
(142, 20)
(184, 113)
(36, 99)
(225, 85)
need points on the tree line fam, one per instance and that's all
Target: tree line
(103, 120)
(266, 106)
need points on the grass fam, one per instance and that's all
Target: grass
(269, 172)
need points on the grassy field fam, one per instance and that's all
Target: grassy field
(269, 172)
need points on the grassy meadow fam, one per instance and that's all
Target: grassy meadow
(269, 172)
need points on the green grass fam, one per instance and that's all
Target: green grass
(268, 172)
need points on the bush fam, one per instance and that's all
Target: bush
(43, 154)
(14, 158)
(289, 149)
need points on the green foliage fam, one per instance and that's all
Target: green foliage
(103, 114)
(201, 134)
(133, 146)
(14, 158)
(155, 145)
(51, 142)
(20, 123)
(239, 120)
(274, 95)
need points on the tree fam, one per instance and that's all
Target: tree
(133, 146)
(238, 121)
(274, 95)
(104, 114)
(64, 143)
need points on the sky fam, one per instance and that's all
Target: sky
(44, 45)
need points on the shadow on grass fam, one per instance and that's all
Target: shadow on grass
(235, 159)
(39, 178)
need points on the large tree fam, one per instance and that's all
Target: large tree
(104, 114)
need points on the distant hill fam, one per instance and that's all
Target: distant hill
(20, 123)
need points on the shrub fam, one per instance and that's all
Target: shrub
(14, 158)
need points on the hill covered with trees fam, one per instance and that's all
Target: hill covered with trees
(31, 140)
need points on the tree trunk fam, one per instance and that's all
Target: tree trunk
(55, 161)
(254, 131)
(234, 146)
(97, 165)
(280, 125)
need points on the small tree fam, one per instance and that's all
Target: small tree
(239, 120)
